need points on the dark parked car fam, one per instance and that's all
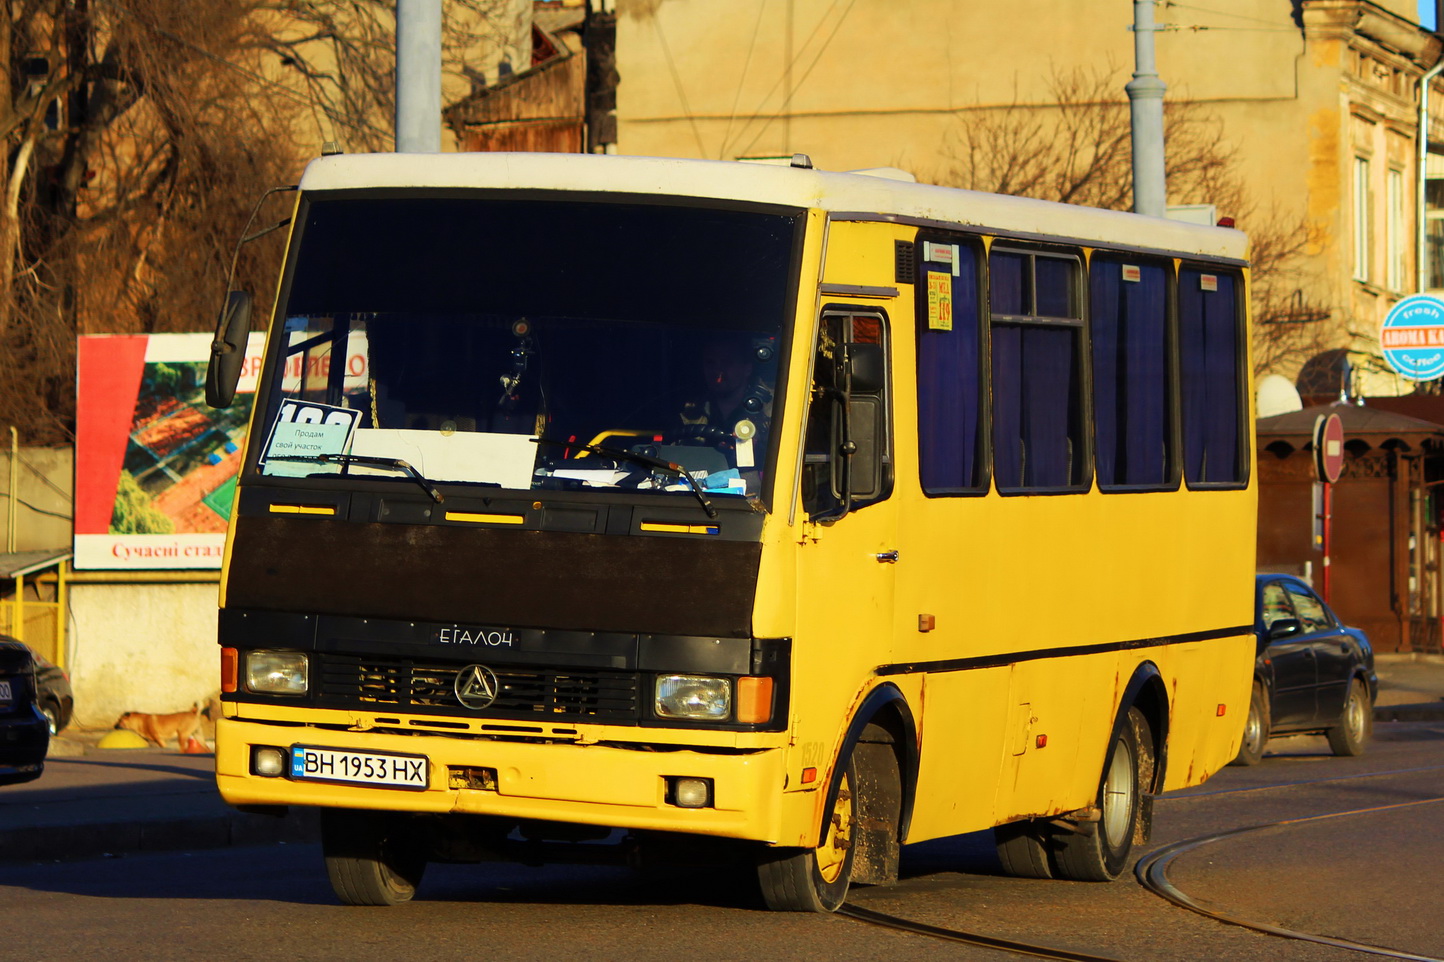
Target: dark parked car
(1312, 674)
(24, 731)
(56, 700)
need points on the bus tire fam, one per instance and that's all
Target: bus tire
(372, 858)
(1023, 848)
(1351, 735)
(815, 879)
(1255, 728)
(1098, 851)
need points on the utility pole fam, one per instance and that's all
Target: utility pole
(418, 76)
(1145, 97)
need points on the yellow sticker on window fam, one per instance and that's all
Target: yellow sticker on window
(940, 301)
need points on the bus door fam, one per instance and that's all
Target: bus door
(849, 529)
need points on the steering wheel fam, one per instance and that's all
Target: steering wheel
(707, 435)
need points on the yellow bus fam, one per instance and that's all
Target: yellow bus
(637, 502)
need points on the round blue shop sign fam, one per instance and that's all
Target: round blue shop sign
(1413, 337)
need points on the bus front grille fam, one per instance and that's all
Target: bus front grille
(395, 684)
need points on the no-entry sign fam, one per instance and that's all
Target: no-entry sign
(1328, 448)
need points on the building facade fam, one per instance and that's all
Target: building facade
(1309, 110)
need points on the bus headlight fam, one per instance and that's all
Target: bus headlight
(277, 672)
(694, 696)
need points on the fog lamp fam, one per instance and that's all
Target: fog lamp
(691, 792)
(276, 672)
(694, 696)
(268, 761)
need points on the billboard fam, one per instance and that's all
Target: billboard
(155, 466)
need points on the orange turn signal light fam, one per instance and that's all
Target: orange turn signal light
(754, 700)
(230, 668)
(1222, 710)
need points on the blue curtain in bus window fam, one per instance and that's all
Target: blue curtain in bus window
(1034, 386)
(949, 389)
(1208, 335)
(1128, 323)
(1055, 287)
(1008, 283)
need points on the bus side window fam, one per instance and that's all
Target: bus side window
(1037, 373)
(850, 369)
(1215, 445)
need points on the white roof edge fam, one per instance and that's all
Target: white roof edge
(767, 184)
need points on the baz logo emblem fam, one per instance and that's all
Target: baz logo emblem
(476, 686)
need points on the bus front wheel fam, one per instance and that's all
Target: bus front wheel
(372, 858)
(815, 879)
(1098, 851)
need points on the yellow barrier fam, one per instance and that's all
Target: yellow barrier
(40, 624)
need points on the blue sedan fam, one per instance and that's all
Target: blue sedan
(1313, 674)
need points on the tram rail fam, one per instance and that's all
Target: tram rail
(1152, 873)
(970, 938)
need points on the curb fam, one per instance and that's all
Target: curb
(57, 843)
(1428, 711)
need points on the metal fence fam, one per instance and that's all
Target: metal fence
(38, 621)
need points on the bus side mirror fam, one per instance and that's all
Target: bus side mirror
(866, 370)
(228, 350)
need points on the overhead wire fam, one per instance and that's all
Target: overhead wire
(677, 82)
(737, 97)
(787, 99)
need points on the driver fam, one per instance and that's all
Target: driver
(735, 402)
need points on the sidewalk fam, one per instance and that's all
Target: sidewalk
(1411, 688)
(93, 802)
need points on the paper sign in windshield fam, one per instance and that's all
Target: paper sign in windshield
(940, 301)
(305, 432)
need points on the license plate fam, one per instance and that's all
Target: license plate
(361, 768)
(5, 691)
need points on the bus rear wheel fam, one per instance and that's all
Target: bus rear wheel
(1098, 851)
(815, 879)
(372, 858)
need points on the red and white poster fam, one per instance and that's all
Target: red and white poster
(155, 466)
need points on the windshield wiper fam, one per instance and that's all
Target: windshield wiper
(644, 459)
(395, 464)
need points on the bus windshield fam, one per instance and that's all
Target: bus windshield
(448, 335)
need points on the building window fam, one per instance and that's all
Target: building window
(950, 366)
(1128, 329)
(1037, 323)
(1214, 445)
(1397, 236)
(1363, 219)
(1434, 224)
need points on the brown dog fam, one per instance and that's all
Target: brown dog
(159, 729)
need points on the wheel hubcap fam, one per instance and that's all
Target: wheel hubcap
(1118, 794)
(833, 853)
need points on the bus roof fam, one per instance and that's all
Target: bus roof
(862, 194)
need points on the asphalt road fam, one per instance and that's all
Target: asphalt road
(1369, 876)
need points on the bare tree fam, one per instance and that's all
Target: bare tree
(1075, 147)
(135, 143)
(340, 55)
